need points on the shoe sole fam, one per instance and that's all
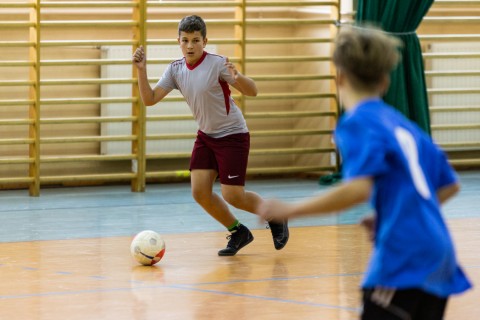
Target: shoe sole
(234, 253)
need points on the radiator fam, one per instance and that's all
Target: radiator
(455, 99)
(125, 109)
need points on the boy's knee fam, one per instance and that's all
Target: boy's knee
(234, 198)
(200, 196)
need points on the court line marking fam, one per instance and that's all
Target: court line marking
(281, 279)
(313, 304)
(177, 287)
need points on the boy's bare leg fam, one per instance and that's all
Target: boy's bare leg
(250, 201)
(241, 199)
(202, 185)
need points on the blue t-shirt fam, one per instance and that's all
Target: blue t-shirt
(413, 248)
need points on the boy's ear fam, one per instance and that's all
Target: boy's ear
(178, 39)
(205, 42)
(384, 85)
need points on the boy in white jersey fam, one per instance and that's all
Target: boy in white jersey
(223, 142)
(392, 163)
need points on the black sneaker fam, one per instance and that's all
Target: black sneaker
(280, 233)
(239, 238)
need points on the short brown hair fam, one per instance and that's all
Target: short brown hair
(191, 24)
(366, 55)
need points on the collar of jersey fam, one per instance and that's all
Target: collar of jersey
(366, 102)
(190, 67)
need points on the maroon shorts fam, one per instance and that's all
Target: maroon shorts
(227, 155)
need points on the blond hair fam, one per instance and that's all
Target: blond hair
(366, 55)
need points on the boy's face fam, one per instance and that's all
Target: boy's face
(192, 44)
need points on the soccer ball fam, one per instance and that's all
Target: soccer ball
(147, 247)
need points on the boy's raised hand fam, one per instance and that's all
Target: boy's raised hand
(139, 58)
(232, 69)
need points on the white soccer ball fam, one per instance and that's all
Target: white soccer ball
(147, 247)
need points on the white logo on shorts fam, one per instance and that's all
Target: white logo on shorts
(231, 177)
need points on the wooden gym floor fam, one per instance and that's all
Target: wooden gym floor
(65, 255)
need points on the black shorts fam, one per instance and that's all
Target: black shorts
(409, 304)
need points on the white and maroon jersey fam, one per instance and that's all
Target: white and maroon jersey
(205, 87)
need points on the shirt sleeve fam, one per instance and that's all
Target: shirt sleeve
(444, 174)
(167, 81)
(363, 151)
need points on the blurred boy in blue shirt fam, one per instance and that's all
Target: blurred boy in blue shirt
(388, 160)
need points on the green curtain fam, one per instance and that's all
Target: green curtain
(408, 91)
